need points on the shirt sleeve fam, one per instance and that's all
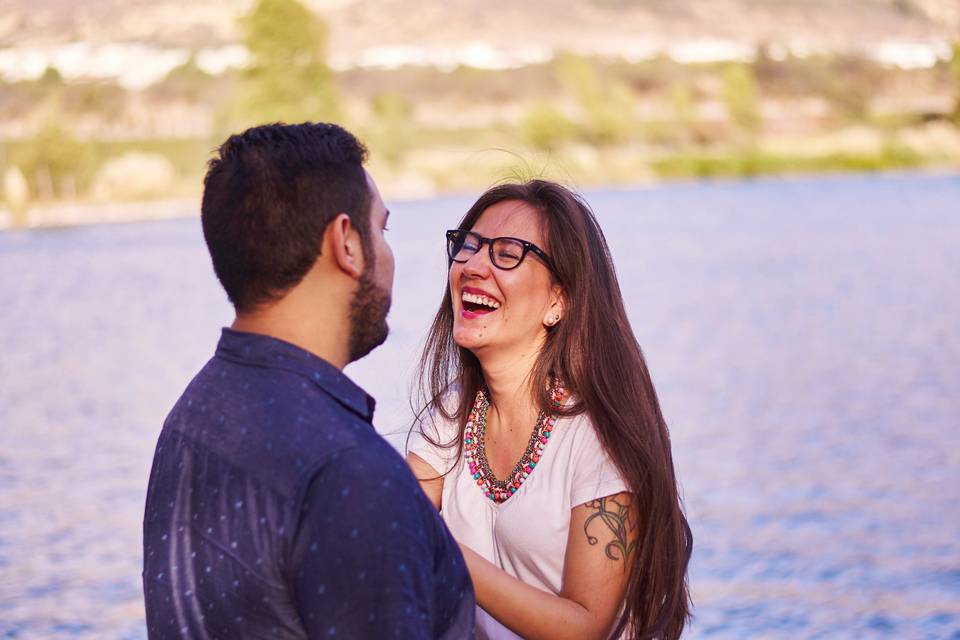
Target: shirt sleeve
(594, 474)
(362, 557)
(434, 439)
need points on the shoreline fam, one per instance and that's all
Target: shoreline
(54, 215)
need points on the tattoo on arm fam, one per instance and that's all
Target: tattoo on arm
(615, 516)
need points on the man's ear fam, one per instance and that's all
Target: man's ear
(346, 246)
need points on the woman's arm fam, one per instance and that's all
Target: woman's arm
(429, 478)
(596, 568)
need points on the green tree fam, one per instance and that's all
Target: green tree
(101, 97)
(391, 106)
(607, 106)
(850, 82)
(741, 98)
(686, 116)
(184, 81)
(288, 78)
(545, 127)
(51, 78)
(56, 164)
(390, 133)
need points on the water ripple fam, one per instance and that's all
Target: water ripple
(802, 334)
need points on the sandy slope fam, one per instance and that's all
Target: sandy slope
(575, 24)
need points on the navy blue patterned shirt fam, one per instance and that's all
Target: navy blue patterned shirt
(275, 510)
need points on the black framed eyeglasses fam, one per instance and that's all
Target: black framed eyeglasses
(505, 253)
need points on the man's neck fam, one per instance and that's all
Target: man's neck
(320, 334)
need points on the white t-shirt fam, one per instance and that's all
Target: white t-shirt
(526, 536)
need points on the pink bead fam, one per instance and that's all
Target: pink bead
(528, 468)
(543, 439)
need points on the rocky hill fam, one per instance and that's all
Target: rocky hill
(589, 26)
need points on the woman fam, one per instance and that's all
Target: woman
(543, 443)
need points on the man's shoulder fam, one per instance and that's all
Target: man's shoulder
(267, 423)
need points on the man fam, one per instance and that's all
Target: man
(274, 509)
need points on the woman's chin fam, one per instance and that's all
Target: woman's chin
(470, 338)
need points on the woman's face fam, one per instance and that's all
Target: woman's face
(514, 305)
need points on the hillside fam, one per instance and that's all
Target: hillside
(111, 100)
(588, 26)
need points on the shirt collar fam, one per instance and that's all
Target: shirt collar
(266, 351)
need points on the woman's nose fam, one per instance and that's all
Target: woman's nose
(479, 264)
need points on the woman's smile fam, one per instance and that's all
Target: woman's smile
(476, 303)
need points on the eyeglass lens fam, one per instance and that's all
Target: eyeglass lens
(507, 253)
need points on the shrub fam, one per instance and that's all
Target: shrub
(545, 127)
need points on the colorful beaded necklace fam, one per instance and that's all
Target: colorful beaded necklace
(473, 436)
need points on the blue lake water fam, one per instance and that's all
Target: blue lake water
(804, 337)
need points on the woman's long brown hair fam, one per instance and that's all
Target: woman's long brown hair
(593, 350)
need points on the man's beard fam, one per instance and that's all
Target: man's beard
(368, 316)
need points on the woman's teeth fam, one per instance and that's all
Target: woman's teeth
(481, 300)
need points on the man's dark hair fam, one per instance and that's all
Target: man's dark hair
(268, 197)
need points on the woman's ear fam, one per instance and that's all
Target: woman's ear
(346, 246)
(558, 306)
